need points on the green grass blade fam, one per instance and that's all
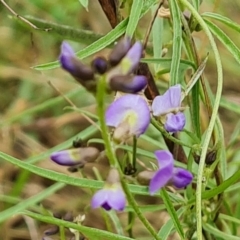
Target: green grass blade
(101, 43)
(228, 22)
(80, 182)
(177, 43)
(219, 233)
(231, 106)
(166, 229)
(93, 48)
(196, 4)
(66, 32)
(172, 213)
(225, 40)
(90, 233)
(30, 201)
(134, 17)
(157, 33)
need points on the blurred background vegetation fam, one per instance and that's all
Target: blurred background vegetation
(29, 128)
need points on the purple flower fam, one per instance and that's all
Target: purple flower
(73, 65)
(112, 195)
(168, 107)
(167, 173)
(76, 156)
(129, 115)
(120, 78)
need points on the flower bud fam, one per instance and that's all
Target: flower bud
(100, 65)
(119, 51)
(73, 65)
(128, 84)
(76, 156)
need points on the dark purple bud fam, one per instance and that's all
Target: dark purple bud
(128, 84)
(73, 65)
(100, 65)
(119, 51)
(211, 157)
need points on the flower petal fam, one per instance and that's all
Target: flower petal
(165, 172)
(117, 199)
(181, 177)
(132, 107)
(100, 198)
(175, 122)
(175, 96)
(167, 102)
(119, 51)
(132, 57)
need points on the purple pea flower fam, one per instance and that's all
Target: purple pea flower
(129, 115)
(112, 195)
(168, 107)
(75, 156)
(167, 173)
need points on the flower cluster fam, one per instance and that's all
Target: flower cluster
(118, 69)
(129, 116)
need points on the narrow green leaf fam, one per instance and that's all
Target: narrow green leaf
(166, 229)
(134, 17)
(26, 203)
(223, 19)
(65, 32)
(177, 42)
(216, 232)
(80, 182)
(228, 183)
(93, 48)
(229, 218)
(196, 4)
(196, 76)
(166, 63)
(101, 43)
(157, 33)
(172, 213)
(233, 107)
(225, 40)
(84, 3)
(91, 233)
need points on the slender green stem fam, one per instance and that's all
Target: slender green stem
(62, 233)
(135, 207)
(168, 135)
(213, 118)
(101, 88)
(134, 153)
